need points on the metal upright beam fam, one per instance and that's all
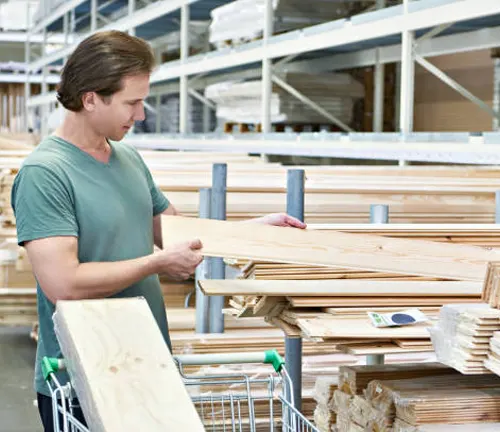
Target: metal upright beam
(378, 97)
(27, 84)
(218, 269)
(93, 15)
(44, 111)
(407, 78)
(183, 95)
(131, 10)
(267, 68)
(496, 92)
(293, 344)
(379, 214)
(203, 271)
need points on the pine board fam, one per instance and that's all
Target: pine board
(280, 244)
(123, 373)
(341, 288)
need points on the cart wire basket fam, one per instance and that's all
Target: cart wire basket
(232, 401)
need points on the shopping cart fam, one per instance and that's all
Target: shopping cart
(232, 402)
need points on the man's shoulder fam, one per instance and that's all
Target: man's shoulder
(48, 154)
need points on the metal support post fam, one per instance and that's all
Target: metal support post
(293, 344)
(497, 207)
(27, 84)
(202, 271)
(93, 16)
(44, 111)
(378, 97)
(217, 267)
(267, 68)
(183, 95)
(407, 79)
(131, 10)
(379, 214)
(158, 114)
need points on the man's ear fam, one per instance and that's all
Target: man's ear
(89, 101)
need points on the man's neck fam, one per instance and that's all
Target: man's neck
(75, 130)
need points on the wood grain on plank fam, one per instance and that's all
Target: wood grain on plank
(122, 370)
(340, 288)
(281, 244)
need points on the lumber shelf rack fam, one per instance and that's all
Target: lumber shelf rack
(406, 33)
(209, 316)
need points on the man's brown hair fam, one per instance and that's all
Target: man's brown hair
(99, 63)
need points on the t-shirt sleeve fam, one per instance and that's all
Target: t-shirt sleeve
(42, 205)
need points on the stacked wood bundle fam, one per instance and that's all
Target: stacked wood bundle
(348, 401)
(448, 399)
(462, 336)
(335, 92)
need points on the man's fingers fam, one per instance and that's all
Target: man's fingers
(293, 222)
(195, 244)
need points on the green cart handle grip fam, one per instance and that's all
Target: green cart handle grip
(273, 357)
(51, 365)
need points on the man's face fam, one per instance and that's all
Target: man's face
(114, 116)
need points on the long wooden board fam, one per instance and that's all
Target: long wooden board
(340, 288)
(281, 244)
(122, 370)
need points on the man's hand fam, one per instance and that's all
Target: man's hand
(280, 219)
(178, 262)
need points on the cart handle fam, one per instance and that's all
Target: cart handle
(267, 357)
(51, 365)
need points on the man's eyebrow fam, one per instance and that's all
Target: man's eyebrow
(135, 100)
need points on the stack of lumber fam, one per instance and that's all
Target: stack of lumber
(462, 267)
(351, 407)
(462, 336)
(243, 20)
(443, 399)
(241, 101)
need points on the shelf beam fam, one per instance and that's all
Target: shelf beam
(323, 146)
(59, 12)
(300, 42)
(140, 17)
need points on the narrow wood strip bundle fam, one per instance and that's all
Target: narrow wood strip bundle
(354, 379)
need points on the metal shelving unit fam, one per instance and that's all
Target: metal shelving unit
(408, 33)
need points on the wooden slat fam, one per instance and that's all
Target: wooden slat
(268, 243)
(122, 370)
(341, 288)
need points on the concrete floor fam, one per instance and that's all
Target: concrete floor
(17, 356)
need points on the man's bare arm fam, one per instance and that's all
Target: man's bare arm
(62, 277)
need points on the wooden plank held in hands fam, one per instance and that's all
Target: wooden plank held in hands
(370, 252)
(122, 370)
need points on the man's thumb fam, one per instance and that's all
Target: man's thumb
(195, 244)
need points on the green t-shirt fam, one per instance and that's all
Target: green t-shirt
(62, 191)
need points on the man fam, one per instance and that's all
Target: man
(87, 210)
